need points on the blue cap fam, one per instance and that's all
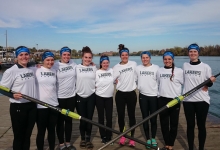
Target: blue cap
(104, 58)
(65, 49)
(21, 49)
(47, 54)
(168, 53)
(194, 46)
(146, 52)
(124, 50)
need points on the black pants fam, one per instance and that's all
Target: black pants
(23, 117)
(104, 107)
(64, 123)
(85, 108)
(200, 110)
(169, 120)
(46, 119)
(122, 99)
(148, 105)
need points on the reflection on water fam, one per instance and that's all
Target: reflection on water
(213, 62)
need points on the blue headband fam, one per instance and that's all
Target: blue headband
(20, 50)
(146, 52)
(168, 54)
(65, 49)
(124, 50)
(194, 46)
(103, 58)
(47, 54)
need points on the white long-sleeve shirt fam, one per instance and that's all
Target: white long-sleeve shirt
(46, 86)
(85, 84)
(167, 88)
(147, 79)
(104, 83)
(193, 76)
(66, 79)
(126, 76)
(21, 80)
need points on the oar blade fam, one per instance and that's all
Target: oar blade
(70, 114)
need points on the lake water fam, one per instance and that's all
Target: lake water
(213, 62)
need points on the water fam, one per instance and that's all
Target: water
(213, 62)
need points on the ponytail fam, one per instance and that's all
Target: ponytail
(173, 66)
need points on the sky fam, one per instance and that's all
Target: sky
(104, 24)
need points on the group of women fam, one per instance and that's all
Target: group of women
(84, 87)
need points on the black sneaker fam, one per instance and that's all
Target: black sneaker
(103, 140)
(71, 147)
(64, 148)
(109, 139)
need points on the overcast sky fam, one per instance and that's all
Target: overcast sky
(103, 24)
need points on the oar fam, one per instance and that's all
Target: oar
(170, 104)
(9, 93)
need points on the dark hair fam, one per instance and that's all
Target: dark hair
(86, 50)
(173, 66)
(21, 47)
(122, 47)
(100, 59)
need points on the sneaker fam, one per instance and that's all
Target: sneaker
(149, 143)
(153, 142)
(63, 148)
(122, 140)
(109, 139)
(132, 143)
(103, 140)
(71, 147)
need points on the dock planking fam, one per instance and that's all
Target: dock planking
(212, 124)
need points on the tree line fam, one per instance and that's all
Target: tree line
(211, 50)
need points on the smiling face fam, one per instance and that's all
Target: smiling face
(145, 60)
(124, 57)
(193, 55)
(23, 58)
(168, 61)
(105, 64)
(48, 62)
(65, 57)
(87, 59)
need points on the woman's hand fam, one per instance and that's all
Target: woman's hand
(213, 79)
(205, 88)
(17, 96)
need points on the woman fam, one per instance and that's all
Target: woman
(196, 105)
(20, 78)
(104, 97)
(66, 80)
(148, 88)
(46, 84)
(125, 76)
(85, 89)
(170, 80)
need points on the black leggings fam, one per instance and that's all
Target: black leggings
(200, 110)
(148, 105)
(66, 103)
(104, 107)
(169, 120)
(122, 99)
(46, 119)
(23, 117)
(85, 108)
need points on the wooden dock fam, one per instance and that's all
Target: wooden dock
(212, 141)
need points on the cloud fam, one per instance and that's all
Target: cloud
(115, 18)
